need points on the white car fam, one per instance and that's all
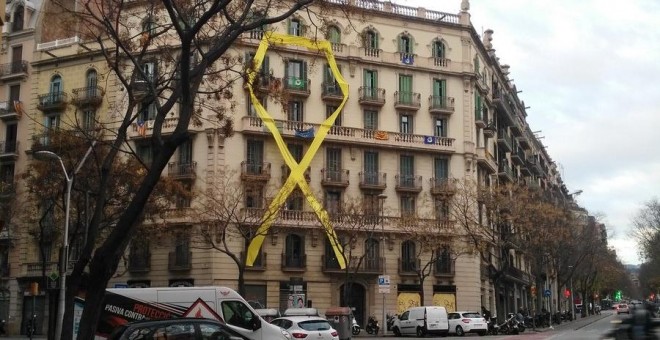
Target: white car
(467, 322)
(302, 324)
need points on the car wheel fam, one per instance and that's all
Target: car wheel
(459, 331)
(420, 332)
(396, 331)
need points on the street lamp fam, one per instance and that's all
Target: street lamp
(51, 156)
(381, 205)
(572, 303)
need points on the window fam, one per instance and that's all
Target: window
(149, 26)
(334, 35)
(440, 127)
(265, 64)
(441, 168)
(477, 67)
(14, 95)
(478, 113)
(148, 111)
(294, 252)
(370, 84)
(333, 163)
(407, 205)
(330, 259)
(252, 111)
(183, 199)
(296, 150)
(139, 253)
(254, 197)
(296, 27)
(438, 50)
(91, 80)
(408, 256)
(405, 44)
(182, 249)
(439, 93)
(55, 90)
(52, 122)
(89, 120)
(329, 110)
(236, 313)
(370, 40)
(333, 202)
(294, 201)
(407, 171)
(295, 115)
(371, 167)
(330, 85)
(441, 209)
(255, 156)
(370, 120)
(7, 173)
(149, 70)
(144, 152)
(296, 74)
(405, 89)
(186, 152)
(372, 254)
(406, 124)
(17, 24)
(443, 260)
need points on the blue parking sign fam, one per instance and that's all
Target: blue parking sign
(547, 293)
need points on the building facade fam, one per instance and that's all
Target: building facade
(429, 105)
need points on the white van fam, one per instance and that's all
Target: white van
(123, 305)
(421, 321)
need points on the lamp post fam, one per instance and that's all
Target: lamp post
(381, 205)
(51, 156)
(572, 303)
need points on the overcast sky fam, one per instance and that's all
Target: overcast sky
(590, 71)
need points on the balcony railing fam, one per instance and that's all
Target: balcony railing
(286, 171)
(331, 91)
(297, 86)
(371, 96)
(504, 140)
(373, 180)
(533, 164)
(442, 186)
(518, 156)
(52, 101)
(17, 68)
(334, 177)
(407, 100)
(504, 171)
(441, 104)
(180, 261)
(37, 269)
(87, 96)
(371, 265)
(444, 268)
(255, 171)
(182, 170)
(8, 111)
(9, 149)
(330, 265)
(139, 263)
(408, 183)
(294, 262)
(409, 266)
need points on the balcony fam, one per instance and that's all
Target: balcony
(532, 183)
(8, 111)
(182, 170)
(489, 130)
(331, 265)
(504, 140)
(294, 263)
(486, 160)
(442, 187)
(408, 183)
(371, 265)
(180, 261)
(444, 267)
(286, 171)
(517, 274)
(371, 96)
(525, 170)
(524, 142)
(407, 100)
(259, 172)
(54, 101)
(441, 62)
(90, 96)
(9, 150)
(139, 263)
(297, 86)
(441, 105)
(142, 87)
(534, 165)
(518, 156)
(334, 178)
(331, 92)
(409, 267)
(14, 71)
(259, 263)
(373, 180)
(37, 269)
(504, 171)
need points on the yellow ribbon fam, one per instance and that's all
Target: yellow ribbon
(296, 177)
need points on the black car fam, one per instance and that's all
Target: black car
(179, 329)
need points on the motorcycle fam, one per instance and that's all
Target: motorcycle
(510, 326)
(372, 325)
(355, 329)
(493, 327)
(390, 321)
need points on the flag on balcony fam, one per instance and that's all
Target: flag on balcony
(309, 133)
(18, 106)
(429, 139)
(141, 128)
(407, 59)
(382, 135)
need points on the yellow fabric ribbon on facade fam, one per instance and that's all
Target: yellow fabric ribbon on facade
(296, 176)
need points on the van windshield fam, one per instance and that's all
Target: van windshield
(236, 313)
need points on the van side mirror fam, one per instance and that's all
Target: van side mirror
(255, 323)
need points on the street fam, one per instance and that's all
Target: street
(588, 328)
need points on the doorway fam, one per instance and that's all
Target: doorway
(356, 299)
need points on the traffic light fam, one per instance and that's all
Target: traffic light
(617, 295)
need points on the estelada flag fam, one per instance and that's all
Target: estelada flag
(18, 106)
(382, 135)
(141, 128)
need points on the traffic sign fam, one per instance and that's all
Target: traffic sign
(547, 293)
(384, 284)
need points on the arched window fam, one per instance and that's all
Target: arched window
(17, 24)
(296, 27)
(91, 79)
(408, 256)
(334, 35)
(443, 261)
(294, 251)
(55, 91)
(149, 26)
(372, 254)
(370, 40)
(405, 44)
(438, 50)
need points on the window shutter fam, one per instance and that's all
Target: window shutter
(265, 66)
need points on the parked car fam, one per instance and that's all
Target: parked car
(179, 328)
(305, 323)
(622, 308)
(420, 321)
(467, 322)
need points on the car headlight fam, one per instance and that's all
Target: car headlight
(285, 333)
